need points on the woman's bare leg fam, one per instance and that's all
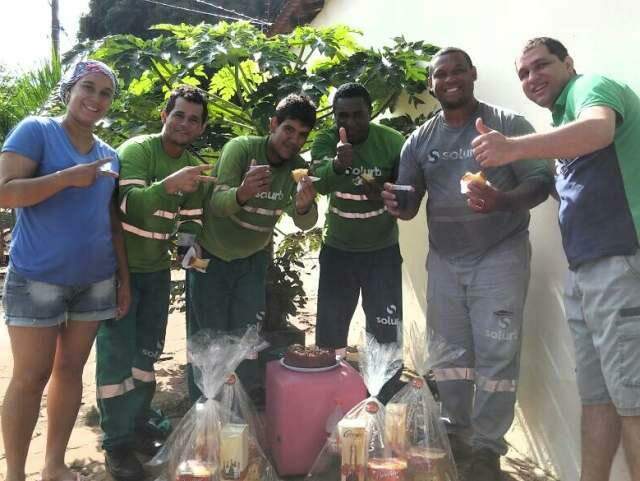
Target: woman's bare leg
(65, 394)
(33, 350)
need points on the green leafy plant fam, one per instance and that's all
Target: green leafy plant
(285, 288)
(26, 94)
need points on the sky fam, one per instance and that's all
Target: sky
(25, 36)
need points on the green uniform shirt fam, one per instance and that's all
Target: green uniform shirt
(233, 231)
(150, 216)
(354, 221)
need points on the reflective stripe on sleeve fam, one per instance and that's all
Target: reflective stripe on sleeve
(357, 215)
(114, 390)
(132, 182)
(144, 376)
(454, 374)
(165, 213)
(123, 204)
(261, 211)
(197, 221)
(347, 196)
(144, 233)
(253, 227)
(191, 212)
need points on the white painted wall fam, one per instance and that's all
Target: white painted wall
(603, 37)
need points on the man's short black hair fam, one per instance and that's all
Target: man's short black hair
(554, 46)
(297, 107)
(446, 51)
(190, 94)
(352, 90)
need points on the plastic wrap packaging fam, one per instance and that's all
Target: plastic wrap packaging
(413, 428)
(238, 405)
(357, 449)
(216, 439)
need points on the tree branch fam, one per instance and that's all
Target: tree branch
(236, 77)
(157, 71)
(299, 59)
(383, 107)
(229, 108)
(324, 116)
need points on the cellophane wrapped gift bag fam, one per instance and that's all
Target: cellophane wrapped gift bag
(217, 439)
(357, 449)
(236, 402)
(413, 427)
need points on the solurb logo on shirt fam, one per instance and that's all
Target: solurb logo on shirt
(389, 320)
(270, 195)
(358, 172)
(436, 155)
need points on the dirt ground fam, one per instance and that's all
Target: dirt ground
(84, 453)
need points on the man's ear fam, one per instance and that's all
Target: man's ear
(430, 86)
(163, 116)
(273, 124)
(474, 73)
(568, 61)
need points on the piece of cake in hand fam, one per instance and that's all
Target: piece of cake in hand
(197, 263)
(468, 177)
(309, 356)
(298, 174)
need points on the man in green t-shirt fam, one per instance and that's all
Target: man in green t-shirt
(159, 192)
(360, 252)
(596, 141)
(254, 188)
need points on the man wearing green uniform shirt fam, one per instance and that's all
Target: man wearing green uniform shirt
(253, 190)
(360, 251)
(159, 193)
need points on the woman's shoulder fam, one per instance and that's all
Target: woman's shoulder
(28, 136)
(44, 122)
(34, 122)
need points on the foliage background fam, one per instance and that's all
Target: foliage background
(245, 73)
(25, 94)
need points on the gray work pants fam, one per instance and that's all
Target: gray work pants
(475, 308)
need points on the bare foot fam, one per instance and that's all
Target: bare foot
(60, 474)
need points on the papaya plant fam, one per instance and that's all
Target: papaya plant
(245, 73)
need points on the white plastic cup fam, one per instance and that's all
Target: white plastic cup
(403, 194)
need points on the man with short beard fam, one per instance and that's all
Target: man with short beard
(596, 141)
(478, 261)
(159, 192)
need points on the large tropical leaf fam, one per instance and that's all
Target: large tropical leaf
(26, 94)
